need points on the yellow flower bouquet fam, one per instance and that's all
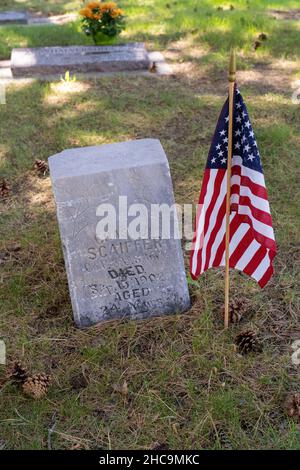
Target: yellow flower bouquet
(102, 18)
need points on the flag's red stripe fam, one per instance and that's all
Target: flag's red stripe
(215, 194)
(256, 189)
(214, 233)
(234, 225)
(201, 200)
(204, 186)
(262, 239)
(240, 248)
(235, 189)
(217, 186)
(260, 215)
(236, 170)
(268, 274)
(255, 261)
(198, 265)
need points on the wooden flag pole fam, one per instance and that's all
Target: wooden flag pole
(231, 79)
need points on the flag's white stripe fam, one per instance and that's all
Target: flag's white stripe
(236, 160)
(234, 199)
(256, 201)
(248, 255)
(236, 179)
(260, 227)
(262, 268)
(200, 225)
(213, 217)
(254, 175)
(236, 238)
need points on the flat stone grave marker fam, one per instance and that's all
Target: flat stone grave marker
(30, 62)
(117, 277)
(13, 17)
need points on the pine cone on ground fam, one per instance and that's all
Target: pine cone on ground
(256, 45)
(237, 309)
(153, 68)
(262, 37)
(122, 389)
(42, 167)
(246, 341)
(19, 373)
(159, 446)
(37, 385)
(5, 189)
(292, 405)
(223, 438)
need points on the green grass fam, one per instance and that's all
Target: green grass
(38, 36)
(47, 7)
(187, 387)
(160, 26)
(63, 6)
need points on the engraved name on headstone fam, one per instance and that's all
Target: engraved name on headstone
(117, 278)
(27, 62)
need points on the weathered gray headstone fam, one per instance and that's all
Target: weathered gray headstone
(28, 62)
(117, 278)
(11, 17)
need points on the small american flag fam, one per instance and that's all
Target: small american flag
(252, 244)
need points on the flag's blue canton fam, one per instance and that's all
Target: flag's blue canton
(244, 143)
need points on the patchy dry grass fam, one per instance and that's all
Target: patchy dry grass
(187, 387)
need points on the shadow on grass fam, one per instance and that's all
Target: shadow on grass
(175, 367)
(216, 30)
(43, 119)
